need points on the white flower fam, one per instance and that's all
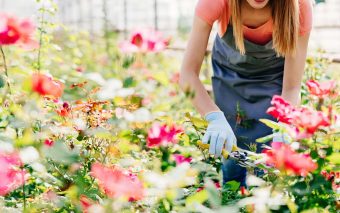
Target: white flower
(179, 177)
(255, 181)
(29, 154)
(6, 147)
(263, 200)
(114, 88)
(96, 77)
(39, 167)
(80, 124)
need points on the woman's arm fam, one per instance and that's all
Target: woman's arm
(293, 71)
(191, 66)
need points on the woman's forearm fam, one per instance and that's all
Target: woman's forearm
(191, 66)
(190, 82)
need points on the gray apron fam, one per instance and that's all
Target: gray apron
(244, 85)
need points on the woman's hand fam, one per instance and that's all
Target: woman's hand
(219, 133)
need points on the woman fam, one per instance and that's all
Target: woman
(259, 52)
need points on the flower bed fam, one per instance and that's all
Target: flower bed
(101, 126)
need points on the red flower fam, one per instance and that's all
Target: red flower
(116, 182)
(321, 89)
(309, 120)
(15, 31)
(10, 174)
(45, 85)
(137, 39)
(284, 158)
(281, 109)
(86, 203)
(49, 142)
(181, 159)
(162, 135)
(65, 110)
(144, 41)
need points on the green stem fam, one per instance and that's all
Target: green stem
(23, 192)
(41, 30)
(5, 69)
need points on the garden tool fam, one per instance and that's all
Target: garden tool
(241, 156)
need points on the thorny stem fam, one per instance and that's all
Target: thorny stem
(5, 69)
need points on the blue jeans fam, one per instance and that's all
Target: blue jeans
(232, 171)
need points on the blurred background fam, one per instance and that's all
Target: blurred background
(173, 17)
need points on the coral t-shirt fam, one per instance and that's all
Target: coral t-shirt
(217, 10)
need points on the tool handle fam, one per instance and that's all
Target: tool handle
(225, 153)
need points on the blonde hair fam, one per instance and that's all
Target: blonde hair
(285, 15)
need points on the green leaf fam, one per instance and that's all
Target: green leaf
(129, 82)
(2, 82)
(265, 139)
(270, 123)
(197, 122)
(334, 158)
(198, 197)
(232, 186)
(185, 138)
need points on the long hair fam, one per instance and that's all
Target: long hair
(285, 14)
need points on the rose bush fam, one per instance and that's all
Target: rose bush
(111, 132)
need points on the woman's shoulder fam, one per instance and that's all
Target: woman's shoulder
(306, 16)
(211, 10)
(306, 5)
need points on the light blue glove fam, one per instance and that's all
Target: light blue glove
(281, 137)
(219, 133)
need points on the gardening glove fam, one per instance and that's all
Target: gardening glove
(219, 133)
(281, 137)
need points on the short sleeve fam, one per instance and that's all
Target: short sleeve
(306, 16)
(210, 10)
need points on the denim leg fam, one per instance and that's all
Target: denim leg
(232, 171)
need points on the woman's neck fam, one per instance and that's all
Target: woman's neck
(254, 18)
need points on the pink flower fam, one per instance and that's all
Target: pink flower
(15, 31)
(11, 176)
(281, 109)
(304, 122)
(49, 142)
(321, 89)
(162, 135)
(284, 158)
(116, 182)
(45, 85)
(310, 120)
(144, 41)
(181, 159)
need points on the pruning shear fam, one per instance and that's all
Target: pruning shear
(241, 156)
